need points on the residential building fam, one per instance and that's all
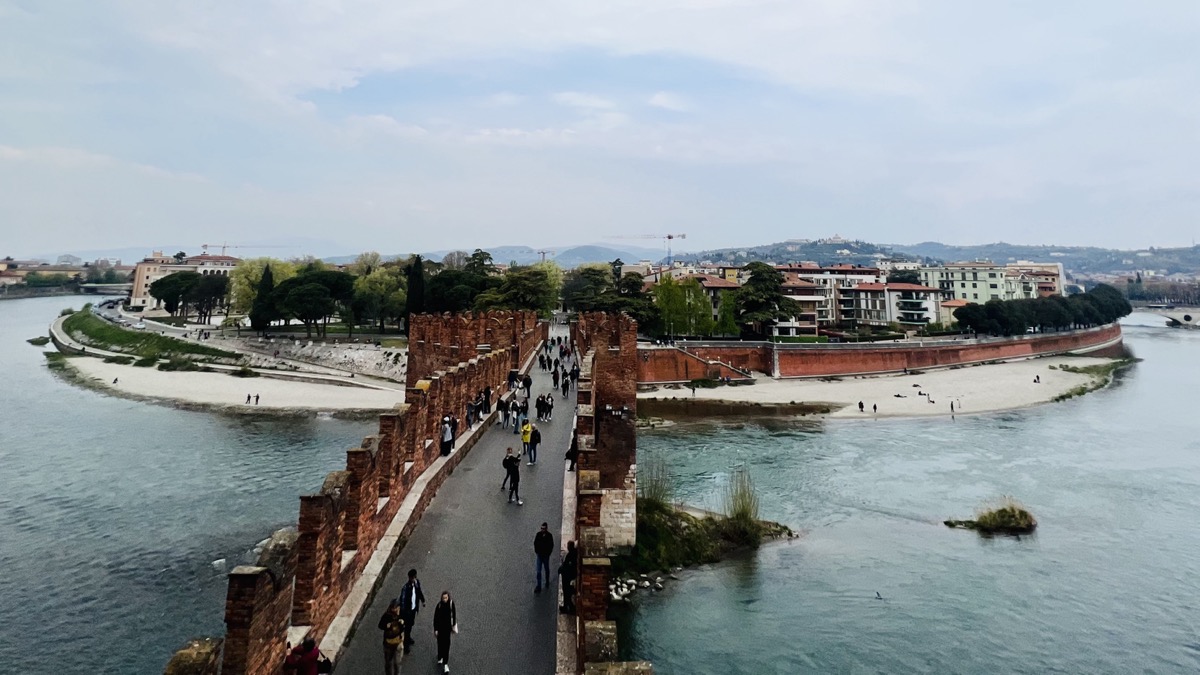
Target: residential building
(979, 281)
(831, 283)
(911, 306)
(157, 266)
(811, 298)
(72, 260)
(946, 311)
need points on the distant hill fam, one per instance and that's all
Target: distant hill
(1077, 259)
(821, 251)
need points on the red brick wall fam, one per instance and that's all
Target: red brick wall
(670, 365)
(439, 342)
(310, 588)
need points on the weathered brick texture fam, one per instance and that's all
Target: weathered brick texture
(304, 576)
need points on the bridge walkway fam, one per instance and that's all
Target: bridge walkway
(474, 544)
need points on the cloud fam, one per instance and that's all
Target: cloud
(669, 101)
(577, 99)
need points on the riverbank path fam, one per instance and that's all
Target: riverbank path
(476, 545)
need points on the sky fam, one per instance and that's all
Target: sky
(353, 125)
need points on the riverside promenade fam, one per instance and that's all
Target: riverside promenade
(474, 544)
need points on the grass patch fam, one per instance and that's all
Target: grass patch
(740, 524)
(1102, 374)
(394, 343)
(703, 383)
(123, 360)
(1007, 516)
(244, 372)
(654, 483)
(146, 362)
(176, 364)
(55, 360)
(96, 332)
(41, 341)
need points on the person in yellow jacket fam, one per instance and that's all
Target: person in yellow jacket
(526, 433)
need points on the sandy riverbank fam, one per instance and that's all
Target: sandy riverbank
(973, 389)
(226, 393)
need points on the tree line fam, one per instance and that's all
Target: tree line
(1101, 305)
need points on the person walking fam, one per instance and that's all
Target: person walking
(411, 599)
(860, 406)
(566, 384)
(574, 374)
(567, 571)
(304, 658)
(445, 622)
(247, 399)
(392, 626)
(508, 454)
(526, 434)
(447, 436)
(528, 382)
(573, 451)
(256, 399)
(554, 377)
(502, 408)
(535, 438)
(513, 466)
(549, 407)
(543, 546)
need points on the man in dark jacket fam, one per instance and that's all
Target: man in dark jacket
(411, 599)
(512, 464)
(392, 626)
(543, 546)
(535, 437)
(567, 571)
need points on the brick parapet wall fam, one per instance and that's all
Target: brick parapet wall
(341, 525)
(440, 341)
(660, 366)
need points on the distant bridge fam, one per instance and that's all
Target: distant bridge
(1185, 317)
(106, 289)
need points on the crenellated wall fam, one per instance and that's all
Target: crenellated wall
(438, 341)
(660, 365)
(605, 480)
(305, 575)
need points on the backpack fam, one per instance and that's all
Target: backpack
(393, 632)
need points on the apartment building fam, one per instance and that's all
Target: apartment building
(978, 281)
(910, 306)
(156, 266)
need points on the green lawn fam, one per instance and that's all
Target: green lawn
(105, 335)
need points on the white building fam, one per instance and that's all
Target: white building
(911, 306)
(979, 281)
(157, 266)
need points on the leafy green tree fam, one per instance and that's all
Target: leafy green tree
(761, 302)
(903, 277)
(93, 274)
(111, 276)
(586, 287)
(365, 263)
(172, 290)
(528, 287)
(727, 316)
(309, 302)
(455, 260)
(245, 278)
(669, 298)
(179, 257)
(371, 294)
(697, 308)
(207, 295)
(480, 263)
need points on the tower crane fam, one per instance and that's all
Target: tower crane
(544, 252)
(225, 246)
(667, 238)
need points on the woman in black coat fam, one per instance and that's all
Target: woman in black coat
(445, 622)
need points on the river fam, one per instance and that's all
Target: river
(1110, 583)
(112, 512)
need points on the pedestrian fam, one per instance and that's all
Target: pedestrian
(502, 408)
(554, 377)
(513, 466)
(256, 399)
(528, 386)
(875, 408)
(860, 406)
(526, 434)
(512, 379)
(574, 374)
(115, 380)
(411, 599)
(508, 454)
(543, 546)
(487, 400)
(247, 399)
(951, 407)
(392, 626)
(445, 622)
(573, 451)
(304, 658)
(556, 364)
(567, 571)
(549, 407)
(566, 384)
(535, 438)
(447, 436)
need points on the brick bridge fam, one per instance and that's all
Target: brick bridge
(321, 578)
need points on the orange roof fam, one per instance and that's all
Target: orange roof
(710, 281)
(955, 303)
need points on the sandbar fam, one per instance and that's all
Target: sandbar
(972, 389)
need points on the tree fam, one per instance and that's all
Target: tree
(111, 276)
(669, 298)
(529, 287)
(93, 275)
(371, 293)
(585, 287)
(554, 281)
(455, 260)
(698, 317)
(480, 263)
(173, 289)
(207, 295)
(179, 257)
(761, 301)
(264, 309)
(727, 317)
(310, 303)
(365, 263)
(245, 278)
(904, 277)
(415, 274)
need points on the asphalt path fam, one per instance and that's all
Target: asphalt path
(474, 544)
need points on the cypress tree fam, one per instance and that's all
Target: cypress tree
(262, 312)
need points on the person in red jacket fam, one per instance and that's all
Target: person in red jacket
(303, 659)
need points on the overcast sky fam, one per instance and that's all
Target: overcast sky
(401, 126)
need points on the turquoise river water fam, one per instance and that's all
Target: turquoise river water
(1110, 583)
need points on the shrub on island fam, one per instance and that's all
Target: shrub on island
(1006, 517)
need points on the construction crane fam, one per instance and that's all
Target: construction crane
(224, 247)
(543, 254)
(667, 238)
